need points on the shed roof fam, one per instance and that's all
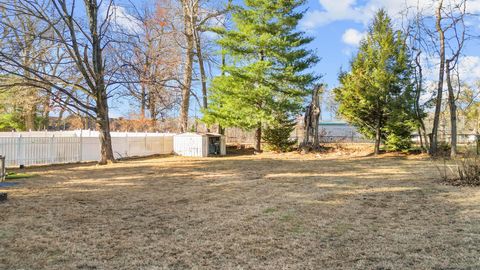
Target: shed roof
(198, 134)
(333, 123)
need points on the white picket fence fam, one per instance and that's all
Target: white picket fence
(43, 148)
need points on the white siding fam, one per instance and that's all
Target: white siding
(190, 145)
(195, 145)
(223, 146)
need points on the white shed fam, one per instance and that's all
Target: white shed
(199, 144)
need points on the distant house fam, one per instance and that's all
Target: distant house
(335, 131)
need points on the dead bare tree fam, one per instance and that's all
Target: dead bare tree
(82, 33)
(456, 24)
(150, 59)
(312, 120)
(418, 44)
(441, 74)
(448, 41)
(30, 47)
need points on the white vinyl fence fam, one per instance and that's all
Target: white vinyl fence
(43, 148)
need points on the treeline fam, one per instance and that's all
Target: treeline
(80, 58)
(387, 94)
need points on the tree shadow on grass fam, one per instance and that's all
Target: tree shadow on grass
(263, 212)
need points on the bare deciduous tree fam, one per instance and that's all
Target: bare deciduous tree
(81, 31)
(456, 15)
(150, 60)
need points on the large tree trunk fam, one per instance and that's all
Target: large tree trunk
(100, 89)
(258, 139)
(30, 115)
(441, 72)
(46, 111)
(152, 106)
(103, 122)
(189, 15)
(453, 112)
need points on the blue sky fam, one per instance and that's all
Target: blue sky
(339, 25)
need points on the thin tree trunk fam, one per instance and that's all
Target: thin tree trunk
(143, 101)
(438, 106)
(201, 65)
(203, 74)
(221, 130)
(258, 139)
(453, 112)
(419, 87)
(420, 134)
(378, 136)
(86, 119)
(316, 115)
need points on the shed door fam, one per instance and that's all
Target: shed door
(214, 144)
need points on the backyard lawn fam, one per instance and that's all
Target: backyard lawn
(270, 211)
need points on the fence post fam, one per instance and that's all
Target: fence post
(3, 170)
(19, 150)
(126, 144)
(80, 155)
(145, 144)
(52, 145)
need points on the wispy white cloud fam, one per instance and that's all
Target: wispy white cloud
(353, 10)
(121, 18)
(469, 67)
(333, 10)
(352, 37)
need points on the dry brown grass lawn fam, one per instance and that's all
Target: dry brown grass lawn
(241, 212)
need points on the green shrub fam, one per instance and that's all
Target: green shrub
(398, 135)
(443, 149)
(277, 136)
(397, 142)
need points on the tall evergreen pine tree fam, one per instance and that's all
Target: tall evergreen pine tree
(266, 75)
(376, 95)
